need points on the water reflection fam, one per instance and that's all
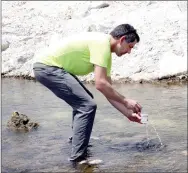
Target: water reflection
(122, 145)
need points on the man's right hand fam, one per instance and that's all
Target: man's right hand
(133, 105)
(134, 117)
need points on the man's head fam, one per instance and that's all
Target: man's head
(124, 38)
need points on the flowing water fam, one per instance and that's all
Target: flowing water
(123, 146)
(157, 134)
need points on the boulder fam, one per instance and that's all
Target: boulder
(20, 122)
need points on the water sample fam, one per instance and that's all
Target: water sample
(144, 118)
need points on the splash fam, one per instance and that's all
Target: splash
(156, 133)
(147, 134)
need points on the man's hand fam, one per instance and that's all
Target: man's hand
(134, 117)
(133, 105)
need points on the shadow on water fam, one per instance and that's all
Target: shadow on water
(141, 146)
(123, 146)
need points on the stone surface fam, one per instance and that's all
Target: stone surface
(20, 122)
(4, 45)
(162, 26)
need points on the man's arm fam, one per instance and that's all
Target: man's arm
(104, 84)
(118, 105)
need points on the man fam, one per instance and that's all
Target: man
(81, 54)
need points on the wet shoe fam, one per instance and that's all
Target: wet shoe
(78, 161)
(84, 161)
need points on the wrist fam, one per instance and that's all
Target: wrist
(125, 102)
(129, 113)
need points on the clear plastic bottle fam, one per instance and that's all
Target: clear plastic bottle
(144, 118)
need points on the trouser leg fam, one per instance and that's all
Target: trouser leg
(66, 87)
(75, 111)
(73, 114)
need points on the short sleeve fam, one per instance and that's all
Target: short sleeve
(100, 53)
(109, 67)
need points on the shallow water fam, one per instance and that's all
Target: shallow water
(122, 145)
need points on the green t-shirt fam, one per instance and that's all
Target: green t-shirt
(79, 53)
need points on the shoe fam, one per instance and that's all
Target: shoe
(83, 159)
(78, 161)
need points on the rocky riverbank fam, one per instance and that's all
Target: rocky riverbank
(167, 80)
(161, 56)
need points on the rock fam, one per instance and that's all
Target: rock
(157, 54)
(150, 3)
(98, 5)
(182, 5)
(68, 13)
(92, 28)
(5, 45)
(21, 122)
(182, 77)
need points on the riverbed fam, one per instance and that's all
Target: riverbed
(119, 143)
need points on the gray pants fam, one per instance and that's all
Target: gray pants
(68, 87)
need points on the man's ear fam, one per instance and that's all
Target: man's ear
(122, 39)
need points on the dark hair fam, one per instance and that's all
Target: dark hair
(125, 29)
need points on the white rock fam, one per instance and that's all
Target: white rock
(172, 64)
(98, 5)
(4, 45)
(162, 26)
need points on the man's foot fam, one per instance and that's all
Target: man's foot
(79, 161)
(84, 161)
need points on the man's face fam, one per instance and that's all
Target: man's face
(123, 47)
